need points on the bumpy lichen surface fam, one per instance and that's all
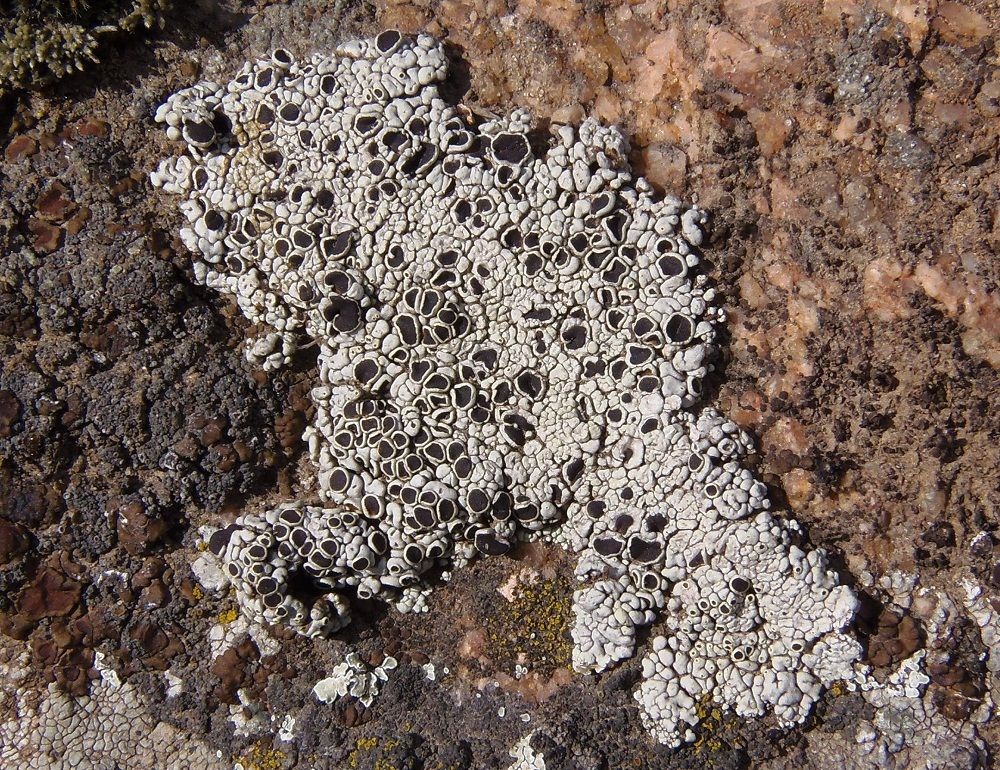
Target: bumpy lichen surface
(512, 335)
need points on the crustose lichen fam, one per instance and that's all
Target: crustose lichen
(512, 340)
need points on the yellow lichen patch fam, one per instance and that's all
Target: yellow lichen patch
(838, 689)
(710, 726)
(228, 616)
(197, 593)
(366, 746)
(532, 630)
(262, 757)
(363, 746)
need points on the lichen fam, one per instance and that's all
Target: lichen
(43, 41)
(524, 756)
(260, 756)
(109, 727)
(533, 628)
(356, 678)
(512, 334)
(367, 746)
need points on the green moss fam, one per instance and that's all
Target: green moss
(43, 40)
(534, 627)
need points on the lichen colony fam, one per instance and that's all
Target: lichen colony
(512, 334)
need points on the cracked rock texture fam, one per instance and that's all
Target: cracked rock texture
(848, 153)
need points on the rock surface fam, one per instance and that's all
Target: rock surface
(848, 154)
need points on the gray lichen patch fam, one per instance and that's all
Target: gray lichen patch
(513, 334)
(110, 727)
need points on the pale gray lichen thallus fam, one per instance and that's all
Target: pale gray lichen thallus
(512, 342)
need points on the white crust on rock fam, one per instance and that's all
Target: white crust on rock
(512, 333)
